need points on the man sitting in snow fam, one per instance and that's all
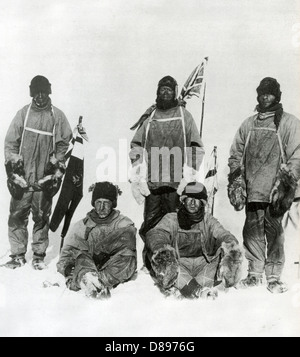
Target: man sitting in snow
(190, 251)
(100, 252)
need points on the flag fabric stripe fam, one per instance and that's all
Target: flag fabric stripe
(77, 139)
(211, 173)
(211, 180)
(193, 85)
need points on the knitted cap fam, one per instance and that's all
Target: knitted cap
(269, 85)
(39, 84)
(105, 190)
(196, 190)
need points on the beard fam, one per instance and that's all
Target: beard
(166, 104)
(42, 104)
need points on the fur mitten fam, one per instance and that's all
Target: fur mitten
(230, 271)
(166, 267)
(15, 177)
(283, 192)
(236, 189)
(138, 181)
(92, 286)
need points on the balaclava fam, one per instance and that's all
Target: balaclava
(170, 82)
(270, 85)
(39, 84)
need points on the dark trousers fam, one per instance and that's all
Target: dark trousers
(157, 205)
(40, 207)
(263, 240)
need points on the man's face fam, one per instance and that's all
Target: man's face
(192, 205)
(103, 207)
(266, 100)
(166, 93)
(41, 99)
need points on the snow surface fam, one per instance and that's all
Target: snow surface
(104, 60)
(137, 308)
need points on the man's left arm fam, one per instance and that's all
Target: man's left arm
(63, 136)
(195, 147)
(218, 232)
(230, 268)
(291, 142)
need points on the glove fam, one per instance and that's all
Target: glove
(166, 267)
(92, 286)
(230, 270)
(236, 189)
(283, 192)
(138, 181)
(15, 177)
(54, 172)
(189, 175)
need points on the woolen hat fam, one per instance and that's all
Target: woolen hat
(269, 85)
(105, 190)
(39, 84)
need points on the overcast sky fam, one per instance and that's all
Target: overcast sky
(105, 58)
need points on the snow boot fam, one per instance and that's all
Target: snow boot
(276, 286)
(16, 262)
(172, 292)
(103, 294)
(192, 290)
(38, 264)
(251, 281)
(209, 293)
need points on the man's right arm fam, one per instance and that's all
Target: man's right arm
(137, 146)
(238, 146)
(74, 246)
(13, 136)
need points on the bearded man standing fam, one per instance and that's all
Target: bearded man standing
(35, 146)
(264, 169)
(166, 154)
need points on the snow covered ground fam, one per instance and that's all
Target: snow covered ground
(28, 308)
(104, 60)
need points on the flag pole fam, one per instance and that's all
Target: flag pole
(215, 169)
(202, 111)
(203, 98)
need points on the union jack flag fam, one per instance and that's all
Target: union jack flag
(193, 84)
